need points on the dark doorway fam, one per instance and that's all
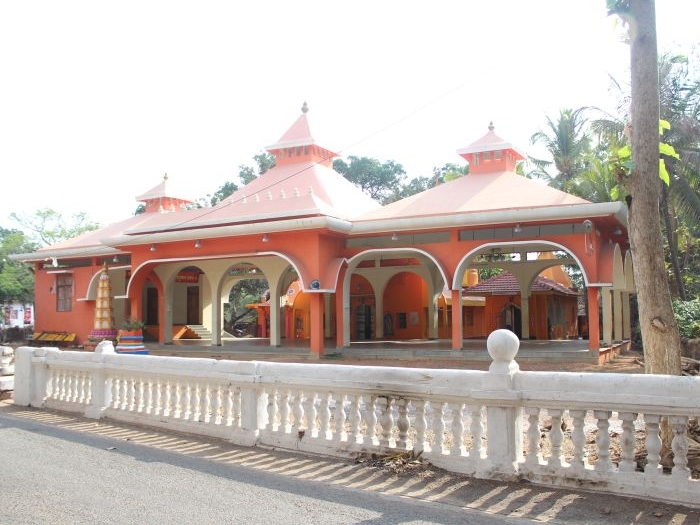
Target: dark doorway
(151, 306)
(193, 309)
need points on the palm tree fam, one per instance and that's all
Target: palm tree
(567, 141)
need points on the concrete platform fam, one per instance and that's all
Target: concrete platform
(473, 350)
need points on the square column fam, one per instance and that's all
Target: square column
(593, 321)
(457, 329)
(316, 304)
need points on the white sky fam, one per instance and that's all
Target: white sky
(99, 99)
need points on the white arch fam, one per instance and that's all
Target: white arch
(465, 261)
(355, 259)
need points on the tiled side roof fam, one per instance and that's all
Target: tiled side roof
(507, 284)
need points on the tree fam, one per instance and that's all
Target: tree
(567, 142)
(16, 278)
(264, 162)
(378, 180)
(50, 227)
(657, 322)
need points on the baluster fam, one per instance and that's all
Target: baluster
(403, 425)
(228, 405)
(387, 423)
(556, 438)
(340, 418)
(371, 415)
(325, 416)
(356, 419)
(298, 410)
(679, 446)
(311, 414)
(116, 388)
(602, 440)
(216, 405)
(69, 387)
(205, 404)
(167, 399)
(195, 400)
(123, 393)
(534, 455)
(458, 448)
(272, 410)
(148, 395)
(131, 394)
(236, 407)
(286, 412)
(138, 395)
(82, 380)
(477, 431)
(439, 427)
(51, 384)
(177, 398)
(421, 444)
(627, 442)
(578, 438)
(61, 385)
(653, 444)
(187, 400)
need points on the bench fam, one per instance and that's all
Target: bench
(52, 338)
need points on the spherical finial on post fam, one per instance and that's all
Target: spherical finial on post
(491, 126)
(503, 346)
(305, 108)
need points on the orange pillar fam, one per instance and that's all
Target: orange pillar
(457, 329)
(593, 319)
(316, 305)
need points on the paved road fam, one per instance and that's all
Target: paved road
(61, 469)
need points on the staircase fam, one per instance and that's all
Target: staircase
(200, 330)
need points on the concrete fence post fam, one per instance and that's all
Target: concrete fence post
(101, 387)
(24, 379)
(504, 419)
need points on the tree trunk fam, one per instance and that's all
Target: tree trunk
(662, 350)
(672, 242)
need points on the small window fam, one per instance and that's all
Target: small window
(64, 292)
(475, 159)
(306, 150)
(487, 155)
(497, 155)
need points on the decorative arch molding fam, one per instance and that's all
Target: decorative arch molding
(357, 258)
(464, 262)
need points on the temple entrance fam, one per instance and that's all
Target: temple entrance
(363, 322)
(193, 308)
(511, 319)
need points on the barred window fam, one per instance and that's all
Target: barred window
(64, 292)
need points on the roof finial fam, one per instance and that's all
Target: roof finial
(165, 177)
(305, 108)
(491, 126)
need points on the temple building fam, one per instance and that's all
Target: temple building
(342, 268)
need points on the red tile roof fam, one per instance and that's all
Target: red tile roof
(507, 284)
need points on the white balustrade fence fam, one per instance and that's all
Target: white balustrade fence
(555, 428)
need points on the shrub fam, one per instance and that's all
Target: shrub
(688, 318)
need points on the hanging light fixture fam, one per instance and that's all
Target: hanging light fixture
(394, 237)
(266, 238)
(518, 228)
(153, 247)
(115, 259)
(198, 243)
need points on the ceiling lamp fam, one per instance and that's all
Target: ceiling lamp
(266, 238)
(394, 237)
(518, 228)
(153, 247)
(198, 243)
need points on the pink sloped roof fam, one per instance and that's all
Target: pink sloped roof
(93, 239)
(489, 142)
(165, 189)
(298, 134)
(294, 190)
(475, 193)
(506, 284)
(293, 186)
